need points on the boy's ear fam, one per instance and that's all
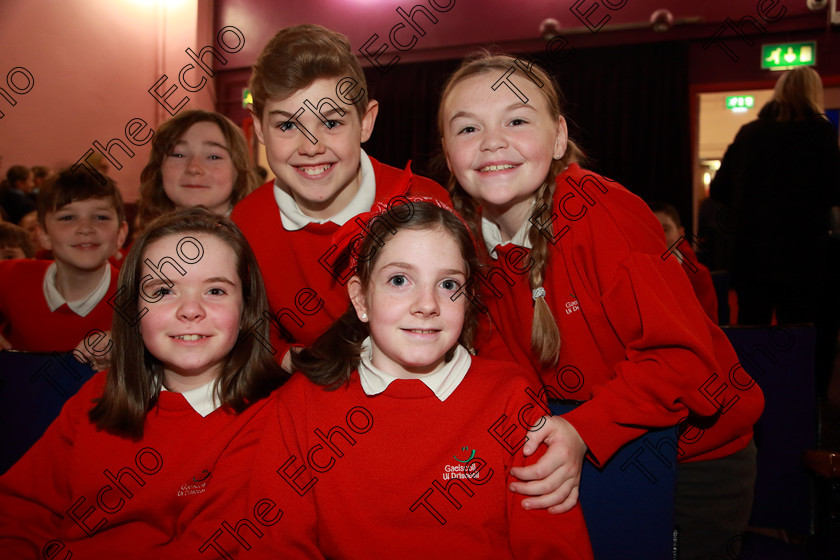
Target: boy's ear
(357, 298)
(257, 123)
(43, 238)
(369, 118)
(122, 233)
(562, 139)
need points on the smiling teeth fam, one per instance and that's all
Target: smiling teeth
(189, 337)
(315, 170)
(496, 167)
(422, 331)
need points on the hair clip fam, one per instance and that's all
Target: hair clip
(538, 293)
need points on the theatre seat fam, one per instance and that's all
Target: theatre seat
(781, 360)
(33, 388)
(629, 504)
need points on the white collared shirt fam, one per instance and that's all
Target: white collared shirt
(80, 307)
(442, 382)
(294, 219)
(202, 399)
(493, 236)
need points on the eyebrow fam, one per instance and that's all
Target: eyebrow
(512, 107)
(207, 143)
(450, 271)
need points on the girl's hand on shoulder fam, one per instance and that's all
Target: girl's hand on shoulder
(555, 478)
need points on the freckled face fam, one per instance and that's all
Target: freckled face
(413, 320)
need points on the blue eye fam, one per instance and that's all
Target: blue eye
(398, 280)
(331, 124)
(286, 126)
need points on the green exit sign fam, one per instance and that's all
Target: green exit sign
(788, 55)
(246, 98)
(740, 102)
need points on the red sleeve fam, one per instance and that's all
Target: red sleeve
(35, 492)
(537, 534)
(281, 477)
(666, 357)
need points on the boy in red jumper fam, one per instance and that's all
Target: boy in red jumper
(60, 305)
(698, 274)
(312, 112)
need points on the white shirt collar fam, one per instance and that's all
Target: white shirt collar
(294, 219)
(493, 236)
(202, 399)
(80, 307)
(442, 382)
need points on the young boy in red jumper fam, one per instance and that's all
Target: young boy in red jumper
(312, 112)
(698, 274)
(55, 305)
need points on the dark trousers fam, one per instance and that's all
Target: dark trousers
(713, 504)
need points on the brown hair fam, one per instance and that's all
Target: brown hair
(15, 236)
(297, 56)
(667, 209)
(798, 94)
(545, 336)
(134, 380)
(71, 186)
(333, 357)
(153, 201)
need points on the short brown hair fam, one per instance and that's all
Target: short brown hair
(15, 236)
(664, 208)
(71, 186)
(297, 56)
(135, 378)
(153, 201)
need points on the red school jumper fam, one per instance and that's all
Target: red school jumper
(403, 475)
(635, 342)
(303, 294)
(28, 322)
(96, 495)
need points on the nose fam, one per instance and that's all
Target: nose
(86, 226)
(191, 308)
(309, 145)
(426, 302)
(493, 139)
(194, 166)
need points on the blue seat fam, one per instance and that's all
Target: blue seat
(33, 388)
(781, 360)
(629, 504)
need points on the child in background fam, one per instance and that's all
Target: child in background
(588, 301)
(396, 443)
(198, 158)
(698, 274)
(122, 470)
(312, 112)
(53, 305)
(29, 223)
(14, 243)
